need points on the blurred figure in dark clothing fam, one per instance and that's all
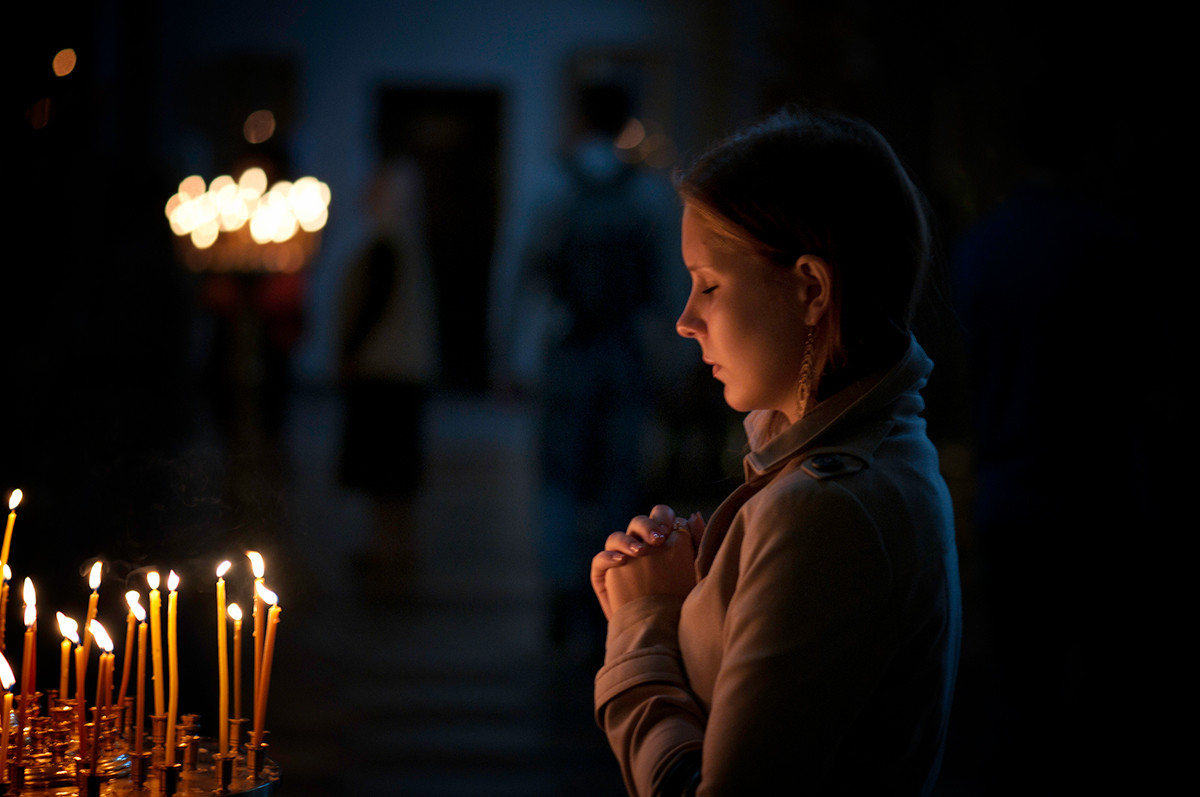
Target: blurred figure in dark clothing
(597, 254)
(388, 361)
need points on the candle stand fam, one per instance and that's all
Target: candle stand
(50, 764)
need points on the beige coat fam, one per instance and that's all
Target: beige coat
(819, 647)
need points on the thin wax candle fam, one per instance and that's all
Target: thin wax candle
(173, 661)
(222, 663)
(156, 643)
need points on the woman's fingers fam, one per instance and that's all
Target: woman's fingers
(627, 544)
(601, 564)
(654, 528)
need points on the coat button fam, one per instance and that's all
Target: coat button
(826, 463)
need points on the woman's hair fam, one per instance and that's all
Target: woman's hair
(807, 182)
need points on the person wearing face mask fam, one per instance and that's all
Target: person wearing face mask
(808, 633)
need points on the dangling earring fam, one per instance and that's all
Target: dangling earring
(804, 383)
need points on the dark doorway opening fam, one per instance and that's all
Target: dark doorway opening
(453, 133)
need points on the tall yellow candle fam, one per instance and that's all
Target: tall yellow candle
(140, 724)
(156, 642)
(70, 632)
(80, 703)
(104, 669)
(222, 662)
(264, 677)
(131, 598)
(93, 599)
(4, 606)
(259, 569)
(27, 676)
(173, 663)
(7, 679)
(235, 612)
(13, 500)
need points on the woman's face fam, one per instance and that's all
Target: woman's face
(748, 316)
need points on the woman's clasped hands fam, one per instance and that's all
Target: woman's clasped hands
(655, 555)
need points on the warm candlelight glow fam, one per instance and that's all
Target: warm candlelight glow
(7, 573)
(235, 612)
(7, 679)
(172, 582)
(68, 627)
(223, 568)
(267, 595)
(102, 638)
(30, 603)
(136, 608)
(152, 579)
(256, 563)
(14, 499)
(94, 577)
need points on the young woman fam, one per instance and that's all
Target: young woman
(807, 636)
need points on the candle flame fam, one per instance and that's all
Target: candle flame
(132, 598)
(256, 563)
(14, 499)
(101, 636)
(266, 594)
(223, 568)
(7, 679)
(7, 572)
(94, 578)
(68, 627)
(29, 593)
(152, 579)
(235, 611)
(138, 612)
(172, 581)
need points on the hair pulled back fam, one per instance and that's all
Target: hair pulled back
(808, 182)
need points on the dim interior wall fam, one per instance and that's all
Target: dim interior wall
(345, 49)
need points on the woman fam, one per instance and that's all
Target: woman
(808, 634)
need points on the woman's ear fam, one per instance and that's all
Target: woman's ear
(816, 286)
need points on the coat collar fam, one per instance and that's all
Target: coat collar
(773, 442)
(848, 422)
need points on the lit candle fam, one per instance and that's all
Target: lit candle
(235, 612)
(131, 598)
(222, 662)
(27, 676)
(104, 672)
(93, 582)
(259, 569)
(173, 663)
(13, 500)
(7, 679)
(4, 606)
(264, 678)
(156, 642)
(28, 679)
(141, 683)
(80, 703)
(70, 632)
(103, 683)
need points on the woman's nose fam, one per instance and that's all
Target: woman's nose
(688, 325)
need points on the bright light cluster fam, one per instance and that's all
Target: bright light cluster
(272, 215)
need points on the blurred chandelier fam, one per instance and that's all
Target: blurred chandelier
(244, 226)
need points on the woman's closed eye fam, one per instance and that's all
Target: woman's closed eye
(709, 289)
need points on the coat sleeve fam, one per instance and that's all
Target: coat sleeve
(806, 639)
(643, 703)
